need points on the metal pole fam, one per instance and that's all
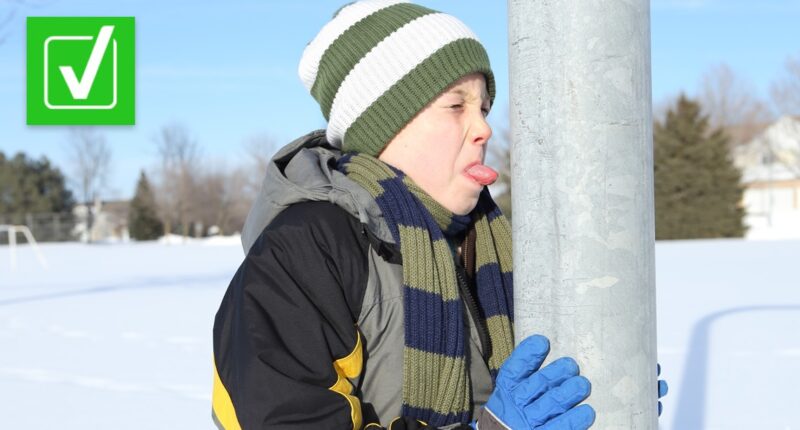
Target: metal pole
(582, 175)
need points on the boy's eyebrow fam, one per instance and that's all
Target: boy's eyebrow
(465, 94)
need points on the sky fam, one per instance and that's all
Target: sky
(227, 72)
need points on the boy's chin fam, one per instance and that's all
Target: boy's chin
(466, 206)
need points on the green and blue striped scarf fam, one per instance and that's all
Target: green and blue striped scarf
(436, 381)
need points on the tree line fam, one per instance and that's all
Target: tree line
(183, 193)
(697, 189)
(191, 196)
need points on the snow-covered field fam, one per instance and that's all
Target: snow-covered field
(111, 336)
(119, 336)
(729, 333)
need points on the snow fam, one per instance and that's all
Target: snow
(119, 335)
(779, 225)
(111, 336)
(728, 320)
(176, 239)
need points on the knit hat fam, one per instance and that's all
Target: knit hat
(379, 62)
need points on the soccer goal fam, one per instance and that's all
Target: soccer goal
(12, 231)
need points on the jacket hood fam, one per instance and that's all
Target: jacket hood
(305, 170)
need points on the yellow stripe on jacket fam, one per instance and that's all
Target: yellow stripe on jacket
(350, 367)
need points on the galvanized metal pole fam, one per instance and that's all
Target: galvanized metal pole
(582, 175)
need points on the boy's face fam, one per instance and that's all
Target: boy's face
(444, 141)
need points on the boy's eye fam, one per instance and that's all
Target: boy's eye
(485, 110)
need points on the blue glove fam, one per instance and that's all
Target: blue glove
(662, 387)
(526, 397)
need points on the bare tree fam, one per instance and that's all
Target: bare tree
(260, 150)
(225, 199)
(730, 103)
(9, 9)
(785, 91)
(195, 194)
(91, 159)
(179, 155)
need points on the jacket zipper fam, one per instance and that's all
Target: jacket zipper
(472, 306)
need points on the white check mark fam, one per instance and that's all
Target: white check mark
(80, 89)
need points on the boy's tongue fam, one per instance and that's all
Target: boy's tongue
(482, 174)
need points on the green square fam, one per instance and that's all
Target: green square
(81, 71)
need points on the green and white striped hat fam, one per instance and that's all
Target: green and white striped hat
(379, 62)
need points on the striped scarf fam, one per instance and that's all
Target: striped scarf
(436, 382)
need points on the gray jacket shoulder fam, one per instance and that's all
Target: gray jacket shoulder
(305, 170)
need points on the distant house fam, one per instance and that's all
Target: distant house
(109, 223)
(770, 165)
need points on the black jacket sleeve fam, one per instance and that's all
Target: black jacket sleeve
(285, 340)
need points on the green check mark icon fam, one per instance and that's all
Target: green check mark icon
(80, 88)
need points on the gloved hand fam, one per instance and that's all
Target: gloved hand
(662, 387)
(526, 397)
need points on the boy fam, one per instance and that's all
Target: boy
(377, 287)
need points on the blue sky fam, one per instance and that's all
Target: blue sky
(227, 70)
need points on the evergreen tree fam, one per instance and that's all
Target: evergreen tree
(697, 189)
(143, 220)
(32, 186)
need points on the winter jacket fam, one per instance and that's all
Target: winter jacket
(309, 333)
